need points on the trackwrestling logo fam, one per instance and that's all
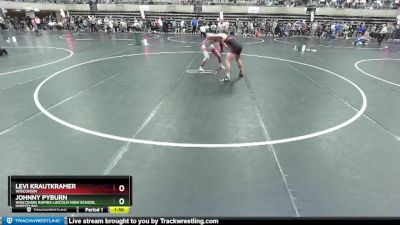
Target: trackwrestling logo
(32, 221)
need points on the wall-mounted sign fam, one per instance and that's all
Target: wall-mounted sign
(144, 8)
(253, 9)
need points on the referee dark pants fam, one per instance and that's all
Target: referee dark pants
(380, 38)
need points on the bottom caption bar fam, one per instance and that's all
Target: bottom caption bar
(137, 221)
(103, 221)
(175, 220)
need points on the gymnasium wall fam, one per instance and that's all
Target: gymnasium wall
(206, 9)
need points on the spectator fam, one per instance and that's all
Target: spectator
(100, 23)
(35, 26)
(345, 30)
(160, 24)
(194, 24)
(174, 26)
(166, 25)
(314, 27)
(214, 28)
(382, 33)
(390, 30)
(274, 25)
(183, 26)
(203, 31)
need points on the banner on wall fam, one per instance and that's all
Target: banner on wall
(144, 8)
(253, 9)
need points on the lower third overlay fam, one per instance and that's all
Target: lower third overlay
(103, 220)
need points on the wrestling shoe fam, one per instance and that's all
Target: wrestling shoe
(241, 74)
(201, 69)
(225, 79)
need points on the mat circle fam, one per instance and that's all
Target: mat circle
(198, 145)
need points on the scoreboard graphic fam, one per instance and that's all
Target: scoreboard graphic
(79, 194)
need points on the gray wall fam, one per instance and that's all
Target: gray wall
(206, 9)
